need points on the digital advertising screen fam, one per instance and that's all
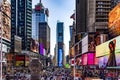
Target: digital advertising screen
(109, 47)
(76, 49)
(41, 49)
(117, 56)
(20, 60)
(72, 52)
(78, 61)
(103, 61)
(91, 58)
(34, 45)
(114, 21)
(60, 57)
(84, 59)
(18, 44)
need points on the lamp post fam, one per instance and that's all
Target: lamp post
(75, 57)
(0, 44)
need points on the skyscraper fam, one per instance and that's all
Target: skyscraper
(114, 3)
(103, 7)
(60, 43)
(40, 27)
(5, 27)
(81, 15)
(21, 21)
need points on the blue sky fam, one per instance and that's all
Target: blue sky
(59, 10)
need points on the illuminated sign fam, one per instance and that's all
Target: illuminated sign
(84, 59)
(60, 57)
(20, 60)
(110, 50)
(34, 46)
(114, 21)
(104, 49)
(91, 58)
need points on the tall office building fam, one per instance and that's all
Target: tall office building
(81, 11)
(44, 36)
(103, 7)
(92, 15)
(60, 44)
(114, 3)
(21, 21)
(40, 27)
(39, 15)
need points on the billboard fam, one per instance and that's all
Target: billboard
(102, 61)
(105, 48)
(72, 52)
(41, 49)
(27, 60)
(20, 60)
(34, 46)
(84, 59)
(5, 22)
(60, 57)
(78, 61)
(114, 21)
(91, 58)
(110, 50)
(85, 44)
(76, 49)
(18, 44)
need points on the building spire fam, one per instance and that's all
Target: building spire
(40, 1)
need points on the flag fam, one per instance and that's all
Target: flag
(73, 16)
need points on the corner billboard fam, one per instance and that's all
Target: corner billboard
(114, 21)
(5, 22)
(34, 46)
(110, 50)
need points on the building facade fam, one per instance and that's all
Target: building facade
(44, 36)
(103, 8)
(21, 21)
(60, 44)
(39, 15)
(81, 15)
(40, 27)
(114, 3)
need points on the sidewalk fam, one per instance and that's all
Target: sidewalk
(93, 78)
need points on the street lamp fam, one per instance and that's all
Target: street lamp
(75, 57)
(0, 45)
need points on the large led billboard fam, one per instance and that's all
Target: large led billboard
(91, 58)
(84, 59)
(90, 41)
(105, 48)
(60, 57)
(72, 52)
(110, 50)
(114, 21)
(78, 61)
(41, 49)
(34, 46)
(18, 44)
(20, 60)
(5, 22)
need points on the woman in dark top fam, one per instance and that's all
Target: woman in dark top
(112, 60)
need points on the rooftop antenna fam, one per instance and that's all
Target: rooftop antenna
(40, 1)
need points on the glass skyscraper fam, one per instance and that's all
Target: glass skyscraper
(38, 16)
(40, 27)
(21, 21)
(60, 43)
